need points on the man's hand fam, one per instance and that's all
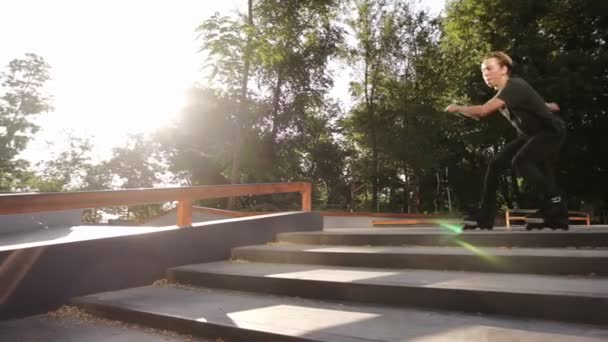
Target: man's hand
(452, 108)
(552, 106)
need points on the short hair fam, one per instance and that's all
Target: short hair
(502, 58)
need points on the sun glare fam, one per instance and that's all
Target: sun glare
(135, 83)
(126, 90)
(123, 96)
(117, 67)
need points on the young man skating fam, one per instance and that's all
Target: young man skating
(533, 154)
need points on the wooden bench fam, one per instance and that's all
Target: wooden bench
(520, 214)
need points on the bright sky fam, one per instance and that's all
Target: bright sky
(118, 66)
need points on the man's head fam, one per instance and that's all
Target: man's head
(496, 68)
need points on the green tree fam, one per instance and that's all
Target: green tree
(395, 124)
(559, 46)
(290, 46)
(66, 170)
(23, 98)
(137, 165)
(197, 147)
(375, 28)
(235, 173)
(97, 177)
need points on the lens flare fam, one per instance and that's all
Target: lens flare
(493, 259)
(451, 228)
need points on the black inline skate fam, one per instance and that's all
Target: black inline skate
(554, 215)
(477, 220)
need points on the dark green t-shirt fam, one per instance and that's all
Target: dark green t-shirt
(526, 109)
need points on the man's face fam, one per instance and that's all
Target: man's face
(492, 72)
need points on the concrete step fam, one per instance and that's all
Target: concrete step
(465, 258)
(239, 316)
(576, 237)
(547, 297)
(74, 329)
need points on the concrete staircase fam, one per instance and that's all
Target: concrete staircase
(384, 285)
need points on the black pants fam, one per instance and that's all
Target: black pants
(533, 158)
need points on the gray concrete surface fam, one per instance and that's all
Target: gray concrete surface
(448, 251)
(467, 257)
(414, 236)
(41, 270)
(596, 287)
(579, 299)
(49, 329)
(44, 220)
(199, 310)
(70, 234)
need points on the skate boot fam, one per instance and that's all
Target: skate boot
(535, 220)
(474, 221)
(554, 216)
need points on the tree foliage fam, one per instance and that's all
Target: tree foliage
(23, 97)
(559, 46)
(266, 114)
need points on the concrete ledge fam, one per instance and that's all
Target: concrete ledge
(15, 223)
(37, 279)
(465, 258)
(435, 237)
(72, 329)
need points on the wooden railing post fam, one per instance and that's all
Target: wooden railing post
(184, 213)
(307, 197)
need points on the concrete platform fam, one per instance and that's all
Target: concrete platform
(237, 316)
(41, 269)
(393, 284)
(548, 297)
(68, 234)
(47, 329)
(500, 237)
(465, 258)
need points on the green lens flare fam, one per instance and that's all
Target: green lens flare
(456, 229)
(450, 227)
(479, 252)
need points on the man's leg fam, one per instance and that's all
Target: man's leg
(487, 209)
(535, 162)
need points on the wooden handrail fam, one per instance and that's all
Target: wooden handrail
(39, 202)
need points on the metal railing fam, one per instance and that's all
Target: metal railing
(40, 202)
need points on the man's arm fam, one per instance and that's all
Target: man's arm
(478, 111)
(552, 106)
